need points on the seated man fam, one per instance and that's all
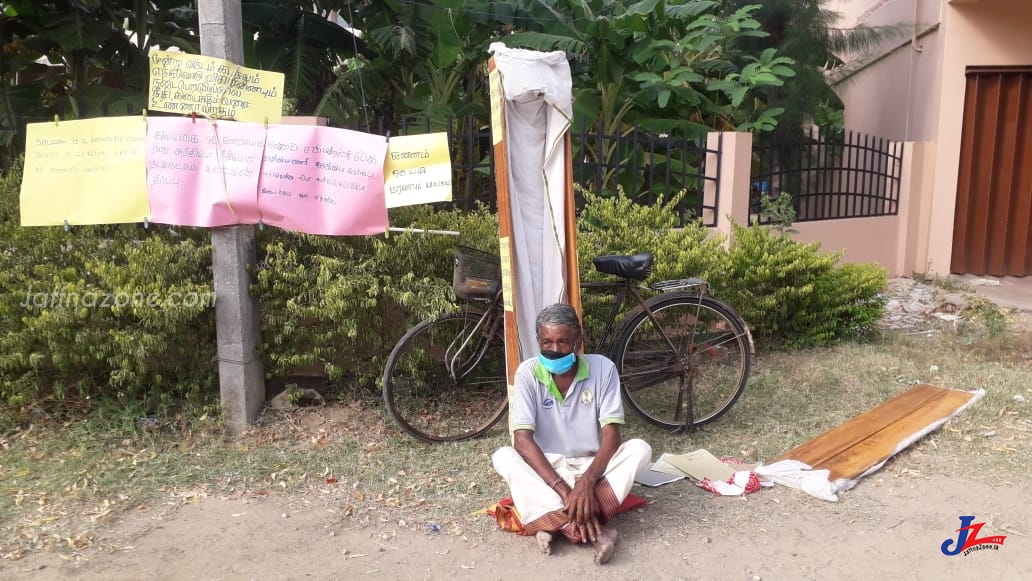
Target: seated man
(567, 469)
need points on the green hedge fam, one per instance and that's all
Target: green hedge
(337, 305)
(791, 294)
(340, 304)
(74, 318)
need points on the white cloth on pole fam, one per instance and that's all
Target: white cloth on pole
(538, 92)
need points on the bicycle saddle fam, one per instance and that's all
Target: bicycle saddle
(637, 267)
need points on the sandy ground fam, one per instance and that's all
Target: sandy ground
(891, 525)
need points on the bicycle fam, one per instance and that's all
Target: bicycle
(683, 356)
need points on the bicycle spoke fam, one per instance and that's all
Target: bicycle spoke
(698, 380)
(445, 380)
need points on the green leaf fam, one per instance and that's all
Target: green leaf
(686, 76)
(737, 95)
(544, 42)
(691, 9)
(664, 98)
(721, 85)
(765, 78)
(647, 78)
(642, 8)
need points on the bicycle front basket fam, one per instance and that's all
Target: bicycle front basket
(477, 274)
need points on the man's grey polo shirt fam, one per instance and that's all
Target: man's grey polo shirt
(570, 426)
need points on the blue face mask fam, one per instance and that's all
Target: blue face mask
(555, 362)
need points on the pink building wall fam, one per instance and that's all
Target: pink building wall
(896, 242)
(896, 94)
(913, 90)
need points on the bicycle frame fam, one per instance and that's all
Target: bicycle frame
(621, 290)
(650, 333)
(493, 319)
(625, 287)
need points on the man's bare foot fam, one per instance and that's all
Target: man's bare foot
(544, 542)
(605, 546)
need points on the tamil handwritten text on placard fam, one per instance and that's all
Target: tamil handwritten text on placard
(418, 170)
(497, 107)
(203, 173)
(187, 83)
(323, 180)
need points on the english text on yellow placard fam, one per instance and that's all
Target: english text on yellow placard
(85, 172)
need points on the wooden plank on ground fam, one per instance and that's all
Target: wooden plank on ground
(869, 439)
(821, 449)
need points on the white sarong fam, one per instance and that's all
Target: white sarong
(540, 507)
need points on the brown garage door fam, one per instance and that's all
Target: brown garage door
(992, 233)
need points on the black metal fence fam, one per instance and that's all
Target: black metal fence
(646, 166)
(845, 175)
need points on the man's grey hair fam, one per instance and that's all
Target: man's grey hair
(558, 314)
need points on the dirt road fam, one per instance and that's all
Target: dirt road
(892, 525)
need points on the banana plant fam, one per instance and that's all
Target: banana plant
(306, 41)
(87, 58)
(426, 61)
(667, 66)
(75, 59)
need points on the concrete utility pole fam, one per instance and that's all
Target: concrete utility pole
(241, 379)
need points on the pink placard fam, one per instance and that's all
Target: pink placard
(201, 173)
(323, 180)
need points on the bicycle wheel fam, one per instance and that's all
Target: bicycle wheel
(445, 380)
(699, 377)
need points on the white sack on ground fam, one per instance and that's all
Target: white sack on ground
(796, 474)
(538, 109)
(817, 483)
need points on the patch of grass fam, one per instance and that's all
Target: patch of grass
(981, 312)
(949, 283)
(1009, 348)
(61, 484)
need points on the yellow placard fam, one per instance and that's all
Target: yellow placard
(506, 257)
(85, 172)
(417, 170)
(497, 107)
(216, 88)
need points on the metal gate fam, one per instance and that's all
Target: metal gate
(992, 232)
